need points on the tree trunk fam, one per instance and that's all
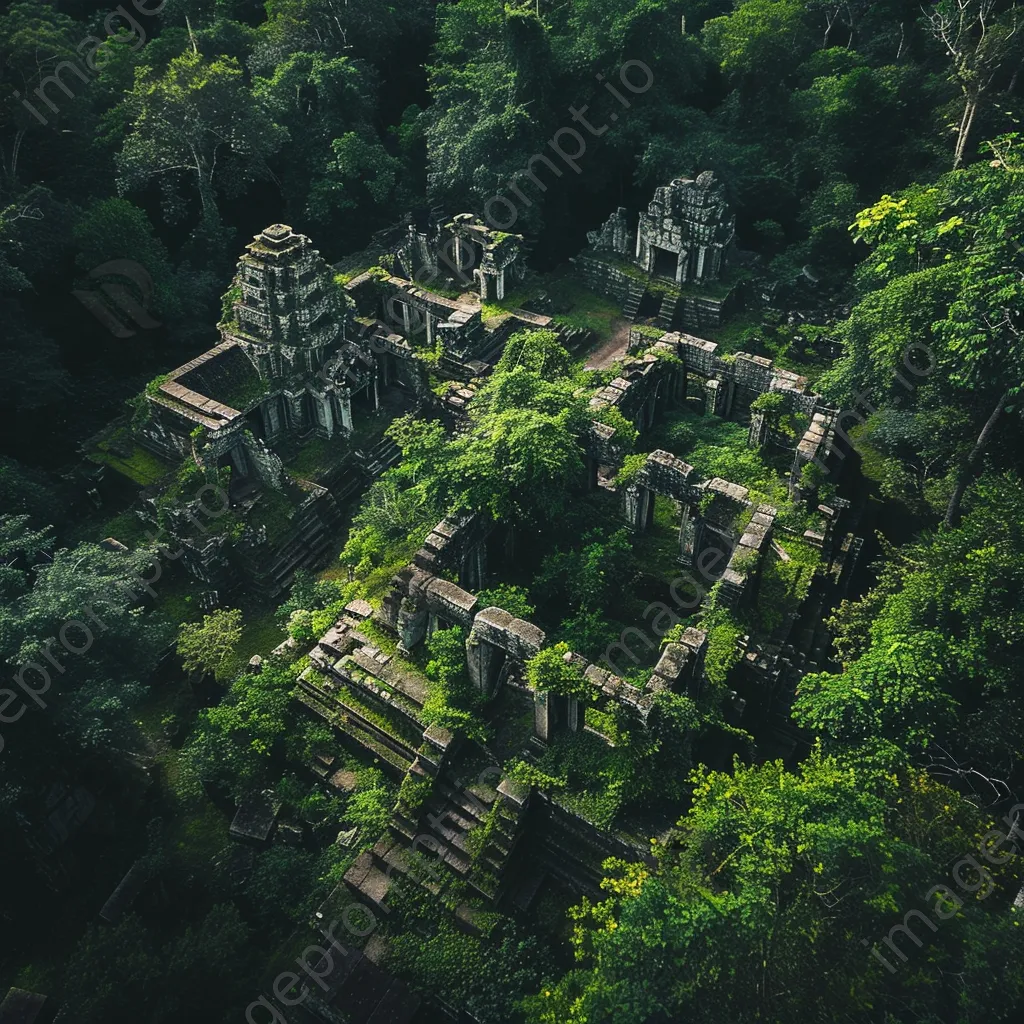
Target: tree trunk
(963, 477)
(970, 109)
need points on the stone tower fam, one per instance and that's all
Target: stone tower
(688, 231)
(289, 313)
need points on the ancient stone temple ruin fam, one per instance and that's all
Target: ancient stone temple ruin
(503, 841)
(287, 414)
(677, 260)
(292, 369)
(438, 277)
(283, 368)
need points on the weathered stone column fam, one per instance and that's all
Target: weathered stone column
(574, 716)
(473, 567)
(727, 394)
(412, 625)
(326, 413)
(296, 413)
(238, 460)
(345, 402)
(271, 415)
(484, 662)
(543, 715)
(681, 385)
(758, 433)
(711, 391)
(638, 507)
(686, 535)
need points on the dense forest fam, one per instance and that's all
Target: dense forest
(751, 864)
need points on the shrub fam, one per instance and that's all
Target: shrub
(550, 670)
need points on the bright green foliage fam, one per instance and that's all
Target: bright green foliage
(591, 575)
(452, 702)
(723, 632)
(943, 285)
(487, 975)
(355, 161)
(515, 600)
(234, 742)
(625, 433)
(212, 645)
(540, 352)
(551, 670)
(771, 402)
(369, 807)
(94, 596)
(771, 873)
(519, 458)
(932, 654)
(526, 774)
(761, 39)
(588, 632)
(892, 692)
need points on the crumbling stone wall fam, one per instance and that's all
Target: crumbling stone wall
(614, 234)
(691, 219)
(499, 643)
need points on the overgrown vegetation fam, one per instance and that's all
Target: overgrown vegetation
(871, 154)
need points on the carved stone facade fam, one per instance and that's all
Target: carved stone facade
(688, 231)
(283, 369)
(678, 253)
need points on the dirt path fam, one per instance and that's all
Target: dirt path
(615, 348)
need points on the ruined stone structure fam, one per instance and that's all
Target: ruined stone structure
(678, 256)
(677, 365)
(406, 301)
(687, 232)
(458, 253)
(348, 671)
(686, 235)
(283, 369)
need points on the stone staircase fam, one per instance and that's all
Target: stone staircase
(633, 298)
(352, 685)
(272, 566)
(473, 828)
(495, 345)
(667, 312)
(380, 458)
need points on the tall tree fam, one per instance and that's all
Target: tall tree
(774, 873)
(197, 121)
(980, 38)
(944, 292)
